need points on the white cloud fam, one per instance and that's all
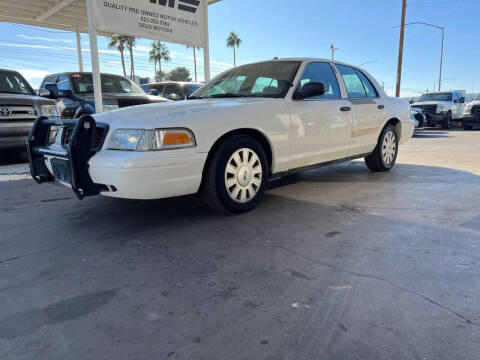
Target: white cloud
(41, 38)
(33, 74)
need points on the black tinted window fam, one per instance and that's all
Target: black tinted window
(322, 72)
(352, 81)
(13, 83)
(172, 89)
(367, 84)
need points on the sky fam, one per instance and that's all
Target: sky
(362, 30)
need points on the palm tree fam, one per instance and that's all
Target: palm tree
(158, 53)
(130, 45)
(194, 58)
(118, 42)
(234, 41)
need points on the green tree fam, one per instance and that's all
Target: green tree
(157, 54)
(234, 41)
(160, 75)
(130, 40)
(118, 42)
(180, 73)
(194, 59)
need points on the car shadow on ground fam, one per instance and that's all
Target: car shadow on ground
(13, 157)
(430, 133)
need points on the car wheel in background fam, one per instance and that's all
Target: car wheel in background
(448, 123)
(384, 156)
(236, 176)
(467, 127)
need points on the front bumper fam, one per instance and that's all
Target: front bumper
(435, 119)
(471, 120)
(82, 166)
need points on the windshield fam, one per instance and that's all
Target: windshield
(83, 84)
(435, 97)
(14, 83)
(270, 79)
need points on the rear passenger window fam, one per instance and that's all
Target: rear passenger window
(352, 81)
(63, 83)
(322, 72)
(367, 84)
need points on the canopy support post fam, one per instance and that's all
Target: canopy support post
(79, 51)
(206, 49)
(97, 84)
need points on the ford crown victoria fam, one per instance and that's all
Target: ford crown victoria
(249, 125)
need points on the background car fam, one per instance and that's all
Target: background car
(171, 90)
(74, 93)
(442, 107)
(19, 106)
(471, 115)
(418, 116)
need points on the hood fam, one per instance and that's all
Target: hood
(416, 104)
(473, 103)
(181, 113)
(126, 97)
(18, 99)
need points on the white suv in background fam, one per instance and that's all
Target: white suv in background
(442, 107)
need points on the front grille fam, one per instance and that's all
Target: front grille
(17, 113)
(126, 103)
(476, 110)
(430, 109)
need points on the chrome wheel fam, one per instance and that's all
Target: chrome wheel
(389, 147)
(243, 175)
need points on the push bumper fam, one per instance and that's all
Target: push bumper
(471, 120)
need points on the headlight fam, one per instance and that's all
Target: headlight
(151, 139)
(441, 108)
(49, 110)
(110, 107)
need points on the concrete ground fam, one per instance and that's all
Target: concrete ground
(337, 263)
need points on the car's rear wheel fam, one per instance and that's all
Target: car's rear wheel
(384, 155)
(236, 175)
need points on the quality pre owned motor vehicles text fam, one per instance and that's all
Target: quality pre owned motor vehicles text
(250, 124)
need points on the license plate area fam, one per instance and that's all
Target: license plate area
(61, 170)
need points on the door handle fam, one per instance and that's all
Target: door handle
(381, 107)
(346, 108)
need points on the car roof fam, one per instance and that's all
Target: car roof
(303, 59)
(68, 73)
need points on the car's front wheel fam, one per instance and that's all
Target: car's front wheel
(448, 123)
(384, 156)
(236, 175)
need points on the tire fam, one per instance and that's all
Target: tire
(448, 123)
(467, 127)
(384, 155)
(236, 176)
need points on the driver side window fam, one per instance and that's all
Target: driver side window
(322, 72)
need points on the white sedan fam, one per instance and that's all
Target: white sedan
(248, 125)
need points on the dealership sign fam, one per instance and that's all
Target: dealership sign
(179, 21)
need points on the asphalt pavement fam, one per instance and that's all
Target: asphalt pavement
(337, 263)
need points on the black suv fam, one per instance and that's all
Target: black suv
(19, 106)
(74, 93)
(171, 90)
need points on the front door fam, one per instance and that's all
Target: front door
(369, 110)
(320, 126)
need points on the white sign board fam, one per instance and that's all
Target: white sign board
(178, 21)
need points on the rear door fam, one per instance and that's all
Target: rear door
(320, 126)
(368, 107)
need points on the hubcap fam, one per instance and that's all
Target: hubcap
(389, 147)
(243, 175)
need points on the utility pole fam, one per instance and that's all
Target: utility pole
(441, 61)
(333, 48)
(400, 48)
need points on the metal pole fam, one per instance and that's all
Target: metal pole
(400, 48)
(441, 62)
(97, 84)
(79, 52)
(206, 49)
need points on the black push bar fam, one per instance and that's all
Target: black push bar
(69, 157)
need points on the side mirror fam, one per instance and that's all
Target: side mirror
(309, 90)
(174, 97)
(50, 91)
